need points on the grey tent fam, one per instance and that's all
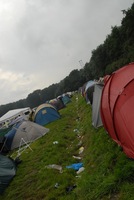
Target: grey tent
(26, 130)
(96, 116)
(7, 172)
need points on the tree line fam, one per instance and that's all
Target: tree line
(116, 51)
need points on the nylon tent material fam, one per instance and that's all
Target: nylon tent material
(7, 172)
(27, 130)
(83, 89)
(57, 103)
(66, 99)
(96, 116)
(3, 132)
(117, 108)
(89, 84)
(89, 95)
(89, 88)
(45, 113)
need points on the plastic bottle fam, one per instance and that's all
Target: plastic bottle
(80, 170)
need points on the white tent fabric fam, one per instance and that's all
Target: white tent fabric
(96, 116)
(12, 113)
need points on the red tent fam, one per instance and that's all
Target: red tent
(117, 108)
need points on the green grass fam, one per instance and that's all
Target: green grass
(108, 173)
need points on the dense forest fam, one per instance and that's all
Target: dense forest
(116, 51)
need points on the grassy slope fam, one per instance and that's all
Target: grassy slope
(108, 173)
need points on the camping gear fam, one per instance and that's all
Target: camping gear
(96, 116)
(7, 172)
(12, 115)
(89, 91)
(83, 89)
(3, 132)
(23, 133)
(45, 113)
(66, 99)
(57, 103)
(117, 107)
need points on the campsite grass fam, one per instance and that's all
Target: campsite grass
(108, 173)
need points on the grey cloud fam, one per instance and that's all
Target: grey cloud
(39, 38)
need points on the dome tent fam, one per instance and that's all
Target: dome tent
(57, 103)
(45, 113)
(117, 107)
(27, 130)
(66, 99)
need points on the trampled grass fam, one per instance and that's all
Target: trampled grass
(108, 173)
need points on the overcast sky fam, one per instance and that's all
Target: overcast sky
(42, 41)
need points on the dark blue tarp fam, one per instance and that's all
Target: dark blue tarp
(10, 136)
(7, 172)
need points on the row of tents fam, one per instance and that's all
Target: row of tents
(22, 131)
(112, 100)
(12, 116)
(92, 91)
(33, 128)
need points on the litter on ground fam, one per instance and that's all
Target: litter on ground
(54, 166)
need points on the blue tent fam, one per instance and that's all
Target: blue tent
(66, 99)
(9, 137)
(45, 113)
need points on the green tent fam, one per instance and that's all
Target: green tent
(7, 171)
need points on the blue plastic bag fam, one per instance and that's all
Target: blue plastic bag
(75, 166)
